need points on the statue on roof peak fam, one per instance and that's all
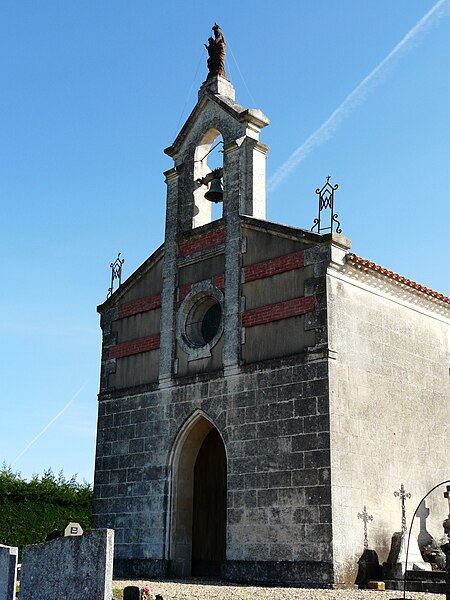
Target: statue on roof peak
(216, 53)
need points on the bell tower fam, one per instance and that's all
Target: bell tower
(188, 213)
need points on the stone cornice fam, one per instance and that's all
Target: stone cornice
(365, 265)
(387, 284)
(253, 116)
(304, 235)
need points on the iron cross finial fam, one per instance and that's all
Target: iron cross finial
(366, 518)
(116, 273)
(402, 494)
(326, 201)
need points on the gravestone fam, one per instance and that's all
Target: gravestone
(429, 547)
(69, 567)
(132, 592)
(73, 529)
(8, 570)
(424, 538)
(369, 568)
(396, 565)
(368, 564)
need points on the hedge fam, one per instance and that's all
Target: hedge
(31, 510)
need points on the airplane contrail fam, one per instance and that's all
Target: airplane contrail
(328, 127)
(61, 412)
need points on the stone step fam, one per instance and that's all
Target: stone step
(432, 587)
(425, 575)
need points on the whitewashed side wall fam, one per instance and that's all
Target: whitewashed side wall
(390, 414)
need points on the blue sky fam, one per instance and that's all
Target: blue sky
(91, 94)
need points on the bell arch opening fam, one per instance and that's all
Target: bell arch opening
(197, 532)
(207, 158)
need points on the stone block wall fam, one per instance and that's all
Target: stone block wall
(389, 405)
(274, 424)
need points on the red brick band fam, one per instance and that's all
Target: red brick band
(137, 346)
(218, 281)
(139, 306)
(276, 312)
(273, 266)
(208, 240)
(185, 288)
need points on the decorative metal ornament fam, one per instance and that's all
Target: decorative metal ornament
(402, 494)
(366, 518)
(326, 201)
(116, 273)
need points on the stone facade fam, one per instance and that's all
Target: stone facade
(301, 376)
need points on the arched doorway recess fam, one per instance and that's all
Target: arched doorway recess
(197, 533)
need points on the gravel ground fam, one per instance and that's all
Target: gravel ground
(192, 589)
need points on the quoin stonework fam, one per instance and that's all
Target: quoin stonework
(260, 383)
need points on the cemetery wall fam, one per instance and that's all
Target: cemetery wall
(389, 409)
(69, 567)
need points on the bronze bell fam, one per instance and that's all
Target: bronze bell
(215, 192)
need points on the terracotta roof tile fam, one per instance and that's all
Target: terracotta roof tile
(364, 264)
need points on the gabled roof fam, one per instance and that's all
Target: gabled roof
(132, 279)
(235, 110)
(364, 264)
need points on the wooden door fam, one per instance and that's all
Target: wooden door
(209, 507)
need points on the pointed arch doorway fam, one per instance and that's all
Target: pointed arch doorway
(197, 543)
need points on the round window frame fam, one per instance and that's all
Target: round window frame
(199, 291)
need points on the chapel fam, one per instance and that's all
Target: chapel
(260, 383)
